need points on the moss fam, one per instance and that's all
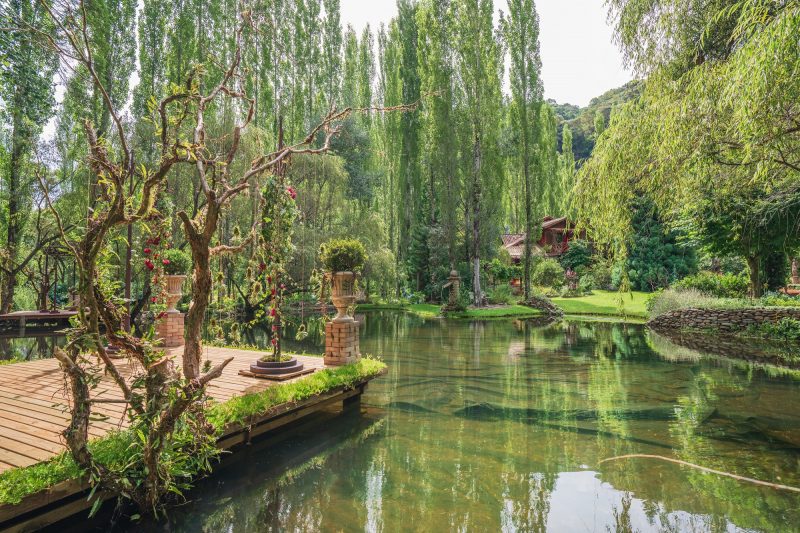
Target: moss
(113, 449)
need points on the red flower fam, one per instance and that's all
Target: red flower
(147, 250)
(272, 312)
(162, 314)
(262, 266)
(274, 328)
(274, 342)
(154, 299)
(149, 264)
(165, 261)
(272, 292)
(269, 279)
(292, 192)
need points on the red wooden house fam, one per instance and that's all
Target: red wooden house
(556, 234)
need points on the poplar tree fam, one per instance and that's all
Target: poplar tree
(521, 32)
(479, 67)
(26, 90)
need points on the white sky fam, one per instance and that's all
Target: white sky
(579, 60)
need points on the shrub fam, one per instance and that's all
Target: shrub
(577, 255)
(501, 295)
(787, 329)
(342, 255)
(176, 262)
(719, 285)
(548, 273)
(776, 299)
(602, 277)
(587, 283)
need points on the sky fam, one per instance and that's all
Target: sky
(579, 59)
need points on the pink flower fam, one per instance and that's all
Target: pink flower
(274, 328)
(292, 192)
(165, 261)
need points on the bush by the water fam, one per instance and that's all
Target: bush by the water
(712, 284)
(548, 273)
(787, 329)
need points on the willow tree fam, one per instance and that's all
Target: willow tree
(717, 119)
(521, 32)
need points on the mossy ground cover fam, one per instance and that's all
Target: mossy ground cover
(610, 303)
(114, 449)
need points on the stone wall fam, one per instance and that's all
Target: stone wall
(727, 320)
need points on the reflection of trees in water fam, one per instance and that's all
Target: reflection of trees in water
(29, 348)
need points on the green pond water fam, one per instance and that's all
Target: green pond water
(502, 426)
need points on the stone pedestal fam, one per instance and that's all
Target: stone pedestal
(341, 343)
(169, 329)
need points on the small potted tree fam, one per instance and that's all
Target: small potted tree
(342, 259)
(176, 266)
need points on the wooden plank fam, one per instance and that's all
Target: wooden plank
(276, 377)
(62, 500)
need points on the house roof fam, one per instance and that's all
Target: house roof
(554, 222)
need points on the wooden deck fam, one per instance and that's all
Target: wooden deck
(33, 403)
(19, 321)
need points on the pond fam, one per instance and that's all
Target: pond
(503, 424)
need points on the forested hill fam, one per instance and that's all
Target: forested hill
(582, 120)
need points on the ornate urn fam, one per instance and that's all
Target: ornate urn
(174, 291)
(343, 294)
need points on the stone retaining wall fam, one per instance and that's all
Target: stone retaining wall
(728, 320)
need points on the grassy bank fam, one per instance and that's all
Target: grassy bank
(115, 448)
(606, 303)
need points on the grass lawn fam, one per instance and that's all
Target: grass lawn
(605, 303)
(433, 310)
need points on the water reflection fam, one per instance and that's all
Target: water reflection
(30, 348)
(501, 425)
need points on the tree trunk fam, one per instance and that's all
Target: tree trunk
(476, 222)
(753, 264)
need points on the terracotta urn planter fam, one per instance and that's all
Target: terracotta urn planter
(174, 291)
(343, 294)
